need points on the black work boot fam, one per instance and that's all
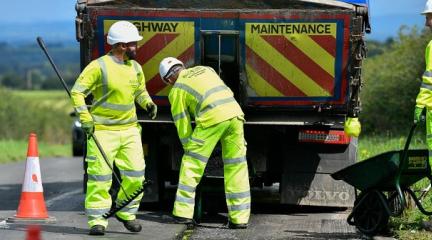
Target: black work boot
(131, 225)
(237, 225)
(97, 230)
(182, 220)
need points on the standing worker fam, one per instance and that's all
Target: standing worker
(116, 82)
(198, 93)
(424, 97)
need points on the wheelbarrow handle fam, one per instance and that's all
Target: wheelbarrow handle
(403, 163)
(408, 141)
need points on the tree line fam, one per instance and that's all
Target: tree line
(392, 78)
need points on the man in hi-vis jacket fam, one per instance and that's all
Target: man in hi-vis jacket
(116, 82)
(198, 93)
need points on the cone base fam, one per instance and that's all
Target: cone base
(31, 220)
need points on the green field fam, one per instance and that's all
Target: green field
(56, 99)
(370, 146)
(45, 113)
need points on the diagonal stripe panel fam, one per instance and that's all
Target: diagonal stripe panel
(262, 87)
(270, 76)
(302, 61)
(314, 51)
(285, 67)
(328, 43)
(154, 45)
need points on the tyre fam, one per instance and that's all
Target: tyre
(78, 140)
(77, 150)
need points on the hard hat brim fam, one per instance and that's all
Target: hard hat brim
(139, 38)
(112, 42)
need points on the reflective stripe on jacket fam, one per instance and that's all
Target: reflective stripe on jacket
(200, 94)
(115, 87)
(424, 97)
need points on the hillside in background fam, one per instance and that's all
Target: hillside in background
(26, 66)
(23, 33)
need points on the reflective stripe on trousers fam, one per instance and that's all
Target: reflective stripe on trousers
(236, 179)
(126, 148)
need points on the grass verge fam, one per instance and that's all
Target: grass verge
(16, 150)
(370, 146)
(42, 112)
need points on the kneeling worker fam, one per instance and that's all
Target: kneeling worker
(199, 93)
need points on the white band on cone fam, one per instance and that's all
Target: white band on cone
(32, 178)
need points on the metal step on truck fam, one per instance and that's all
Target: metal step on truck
(293, 65)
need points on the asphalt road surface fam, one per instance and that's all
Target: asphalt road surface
(62, 183)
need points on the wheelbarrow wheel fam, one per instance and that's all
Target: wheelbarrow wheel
(370, 216)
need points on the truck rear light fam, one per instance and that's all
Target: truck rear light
(324, 136)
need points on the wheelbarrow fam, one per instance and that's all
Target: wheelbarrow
(383, 181)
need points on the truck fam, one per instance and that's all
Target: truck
(295, 67)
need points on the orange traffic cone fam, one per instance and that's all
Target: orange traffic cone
(33, 233)
(32, 204)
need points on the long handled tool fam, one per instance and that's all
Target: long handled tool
(140, 190)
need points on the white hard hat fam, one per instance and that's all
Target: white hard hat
(165, 66)
(428, 7)
(123, 32)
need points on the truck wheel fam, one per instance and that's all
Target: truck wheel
(77, 151)
(198, 210)
(153, 194)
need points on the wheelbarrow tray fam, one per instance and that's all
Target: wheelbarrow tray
(379, 172)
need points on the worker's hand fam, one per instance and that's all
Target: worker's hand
(151, 110)
(88, 128)
(417, 114)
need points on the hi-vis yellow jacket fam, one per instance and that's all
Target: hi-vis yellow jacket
(200, 94)
(424, 97)
(115, 87)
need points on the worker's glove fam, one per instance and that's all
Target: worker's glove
(151, 110)
(418, 114)
(352, 127)
(88, 128)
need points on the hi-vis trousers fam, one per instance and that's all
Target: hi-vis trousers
(125, 149)
(236, 176)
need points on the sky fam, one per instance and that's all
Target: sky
(388, 15)
(386, 18)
